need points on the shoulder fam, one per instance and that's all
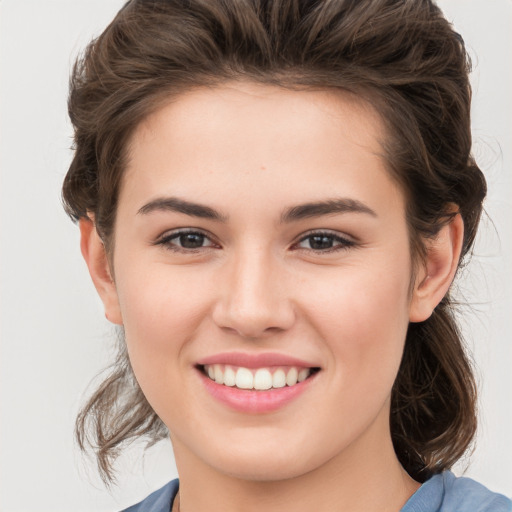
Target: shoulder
(463, 493)
(447, 493)
(159, 501)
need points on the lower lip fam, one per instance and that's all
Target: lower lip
(252, 401)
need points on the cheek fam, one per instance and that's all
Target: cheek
(161, 312)
(364, 314)
(161, 297)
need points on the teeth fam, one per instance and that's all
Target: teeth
(260, 379)
(229, 376)
(291, 377)
(244, 378)
(303, 374)
(279, 379)
(218, 374)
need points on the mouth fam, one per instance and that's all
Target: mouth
(256, 383)
(257, 379)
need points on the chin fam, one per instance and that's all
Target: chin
(265, 471)
(271, 463)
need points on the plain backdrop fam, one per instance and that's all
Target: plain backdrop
(54, 338)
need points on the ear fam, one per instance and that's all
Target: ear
(437, 273)
(95, 256)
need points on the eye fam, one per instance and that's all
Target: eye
(324, 242)
(185, 240)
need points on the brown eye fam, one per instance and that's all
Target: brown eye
(191, 240)
(324, 242)
(319, 242)
(185, 241)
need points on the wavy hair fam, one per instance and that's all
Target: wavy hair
(402, 57)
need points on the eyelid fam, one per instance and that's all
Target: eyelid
(165, 238)
(346, 241)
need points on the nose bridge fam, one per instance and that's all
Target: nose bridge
(253, 298)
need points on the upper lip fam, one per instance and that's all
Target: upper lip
(260, 360)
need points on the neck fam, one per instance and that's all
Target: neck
(366, 477)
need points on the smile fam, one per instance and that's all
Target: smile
(256, 383)
(260, 379)
(256, 390)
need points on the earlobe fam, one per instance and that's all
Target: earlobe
(95, 256)
(436, 275)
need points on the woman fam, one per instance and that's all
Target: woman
(274, 198)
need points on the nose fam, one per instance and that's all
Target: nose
(253, 299)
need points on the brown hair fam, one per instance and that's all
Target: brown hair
(402, 56)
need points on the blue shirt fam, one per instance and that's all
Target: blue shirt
(442, 493)
(447, 493)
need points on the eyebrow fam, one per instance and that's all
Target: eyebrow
(328, 207)
(292, 214)
(173, 204)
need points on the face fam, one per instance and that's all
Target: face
(261, 243)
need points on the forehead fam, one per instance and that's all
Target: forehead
(221, 108)
(245, 138)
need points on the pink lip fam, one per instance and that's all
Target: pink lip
(252, 401)
(262, 360)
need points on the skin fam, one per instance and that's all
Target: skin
(250, 152)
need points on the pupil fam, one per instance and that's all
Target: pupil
(321, 242)
(191, 240)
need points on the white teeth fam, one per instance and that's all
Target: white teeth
(260, 379)
(303, 374)
(244, 378)
(279, 379)
(291, 377)
(218, 374)
(229, 376)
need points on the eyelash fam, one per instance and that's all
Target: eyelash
(343, 243)
(167, 241)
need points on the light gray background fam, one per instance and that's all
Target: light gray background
(53, 335)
